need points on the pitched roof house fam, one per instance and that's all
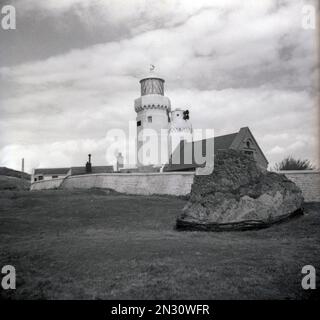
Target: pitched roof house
(242, 140)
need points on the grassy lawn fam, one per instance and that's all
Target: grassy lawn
(94, 245)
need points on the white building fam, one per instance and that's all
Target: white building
(153, 110)
(180, 128)
(49, 173)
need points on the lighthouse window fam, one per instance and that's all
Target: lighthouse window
(138, 123)
(149, 119)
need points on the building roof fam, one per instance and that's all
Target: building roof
(220, 143)
(74, 170)
(51, 171)
(152, 77)
(224, 142)
(95, 169)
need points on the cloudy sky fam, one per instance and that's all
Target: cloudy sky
(70, 72)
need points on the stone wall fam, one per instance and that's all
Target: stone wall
(131, 183)
(172, 183)
(46, 184)
(308, 181)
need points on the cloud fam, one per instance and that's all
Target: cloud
(277, 150)
(234, 64)
(61, 154)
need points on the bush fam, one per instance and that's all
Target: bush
(290, 163)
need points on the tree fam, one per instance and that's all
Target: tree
(290, 163)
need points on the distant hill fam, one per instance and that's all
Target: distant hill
(4, 171)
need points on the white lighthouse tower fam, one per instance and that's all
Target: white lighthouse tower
(153, 110)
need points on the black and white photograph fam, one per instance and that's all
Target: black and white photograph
(159, 150)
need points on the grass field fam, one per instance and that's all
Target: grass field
(94, 245)
(13, 183)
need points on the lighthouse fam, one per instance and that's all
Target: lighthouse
(153, 112)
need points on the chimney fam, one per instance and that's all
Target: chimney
(88, 165)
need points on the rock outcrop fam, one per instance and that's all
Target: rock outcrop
(239, 195)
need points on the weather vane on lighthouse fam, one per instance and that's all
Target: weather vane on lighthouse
(152, 67)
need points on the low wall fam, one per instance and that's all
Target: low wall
(178, 183)
(46, 184)
(308, 181)
(172, 183)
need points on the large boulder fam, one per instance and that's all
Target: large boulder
(239, 195)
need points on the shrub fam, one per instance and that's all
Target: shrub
(290, 163)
